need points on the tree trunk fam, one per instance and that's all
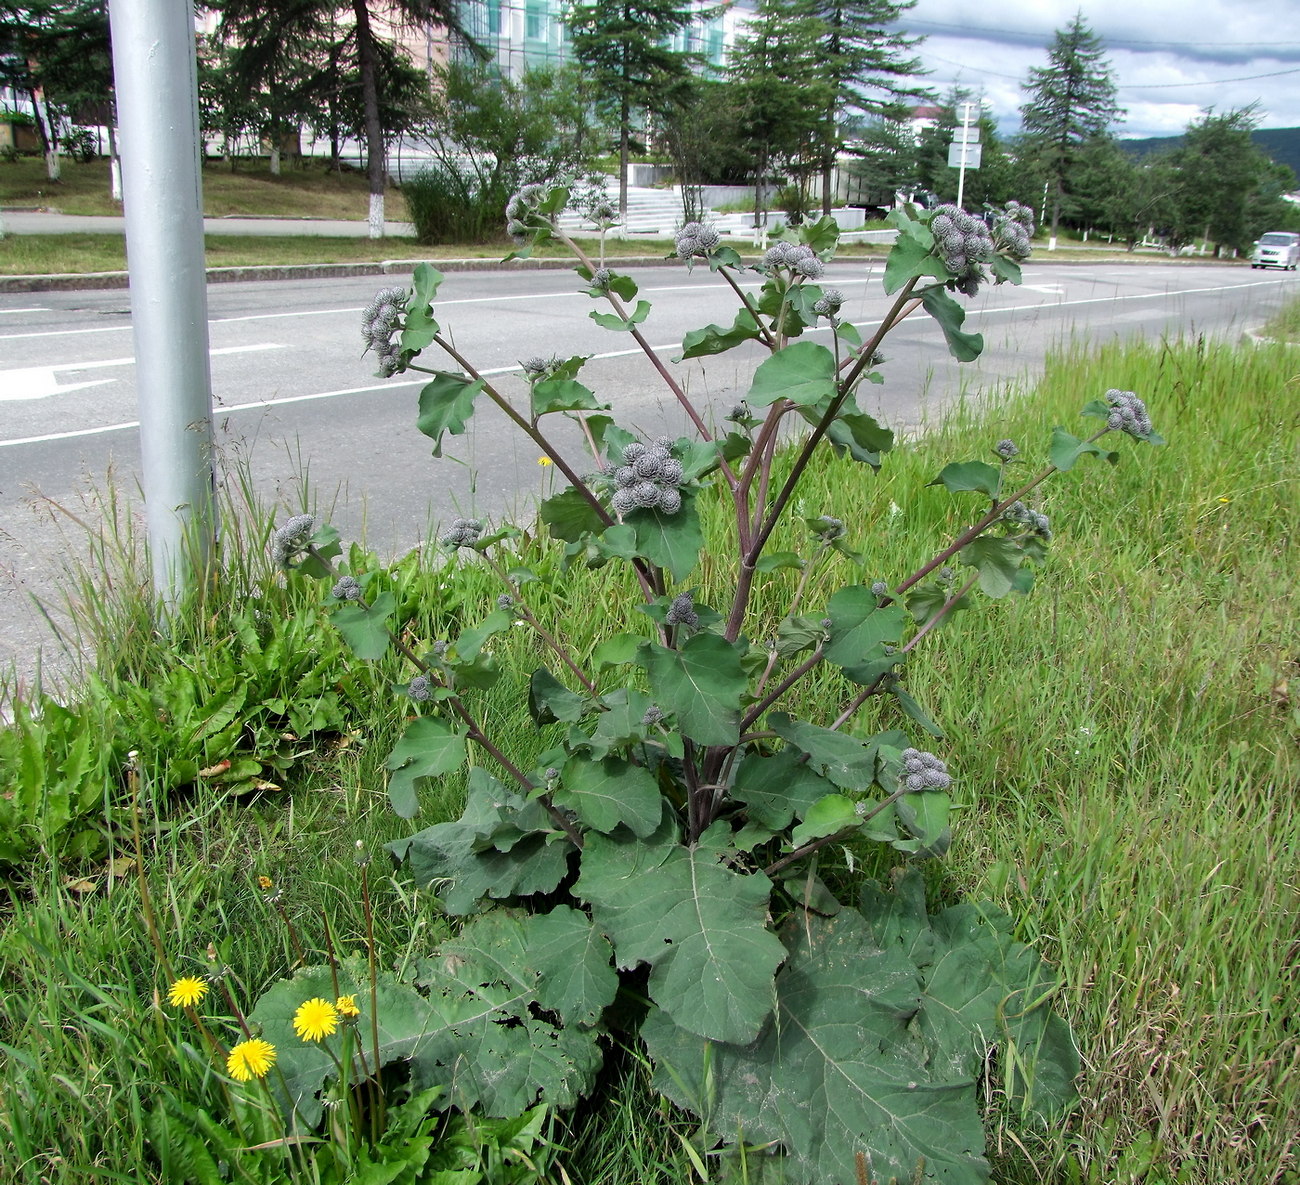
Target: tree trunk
(376, 166)
(114, 164)
(624, 137)
(275, 156)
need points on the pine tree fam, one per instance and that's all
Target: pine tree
(867, 65)
(1071, 101)
(624, 46)
(781, 91)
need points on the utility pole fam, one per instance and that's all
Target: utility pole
(158, 113)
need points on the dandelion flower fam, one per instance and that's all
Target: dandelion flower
(187, 991)
(264, 882)
(544, 461)
(315, 1019)
(347, 1006)
(250, 1059)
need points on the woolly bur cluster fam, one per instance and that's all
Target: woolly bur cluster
(798, 258)
(379, 321)
(695, 240)
(649, 479)
(682, 612)
(963, 242)
(522, 213)
(1020, 515)
(832, 299)
(290, 540)
(1128, 414)
(463, 532)
(924, 771)
(1013, 228)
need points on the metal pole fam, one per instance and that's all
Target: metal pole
(158, 113)
(965, 149)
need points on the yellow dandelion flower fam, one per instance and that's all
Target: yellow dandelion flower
(544, 461)
(315, 1019)
(347, 1006)
(250, 1059)
(264, 882)
(187, 991)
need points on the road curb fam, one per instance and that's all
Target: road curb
(79, 281)
(83, 281)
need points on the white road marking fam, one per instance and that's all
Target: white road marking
(265, 404)
(38, 382)
(11, 312)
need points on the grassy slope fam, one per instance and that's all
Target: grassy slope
(1125, 740)
(309, 191)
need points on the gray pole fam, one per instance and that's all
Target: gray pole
(158, 113)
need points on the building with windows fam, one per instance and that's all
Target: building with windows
(524, 35)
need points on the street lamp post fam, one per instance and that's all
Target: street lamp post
(155, 77)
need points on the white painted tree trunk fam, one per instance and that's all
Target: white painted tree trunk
(376, 215)
(53, 164)
(275, 160)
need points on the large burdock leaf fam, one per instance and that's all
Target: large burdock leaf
(884, 1024)
(838, 1071)
(504, 1015)
(610, 791)
(700, 925)
(701, 683)
(804, 373)
(503, 846)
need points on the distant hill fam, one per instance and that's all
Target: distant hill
(1282, 144)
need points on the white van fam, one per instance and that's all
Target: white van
(1278, 248)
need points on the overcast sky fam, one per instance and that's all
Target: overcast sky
(1172, 58)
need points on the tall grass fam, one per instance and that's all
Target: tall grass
(1126, 745)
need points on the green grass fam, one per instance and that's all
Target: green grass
(308, 190)
(1125, 740)
(1285, 327)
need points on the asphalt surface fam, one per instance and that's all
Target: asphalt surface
(298, 413)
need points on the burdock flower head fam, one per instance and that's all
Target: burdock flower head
(1128, 414)
(463, 532)
(1006, 449)
(380, 320)
(289, 540)
(682, 612)
(798, 258)
(830, 302)
(963, 242)
(1013, 228)
(650, 478)
(696, 241)
(523, 213)
(924, 771)
(348, 588)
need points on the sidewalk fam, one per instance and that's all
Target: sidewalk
(32, 222)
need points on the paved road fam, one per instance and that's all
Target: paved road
(296, 403)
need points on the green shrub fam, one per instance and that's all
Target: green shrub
(449, 208)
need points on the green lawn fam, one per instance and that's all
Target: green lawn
(308, 190)
(1124, 739)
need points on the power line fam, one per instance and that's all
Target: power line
(1126, 86)
(1000, 34)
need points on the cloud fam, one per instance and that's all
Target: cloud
(1168, 67)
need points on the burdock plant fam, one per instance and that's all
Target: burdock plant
(670, 847)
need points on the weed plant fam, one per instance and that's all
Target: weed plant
(1126, 794)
